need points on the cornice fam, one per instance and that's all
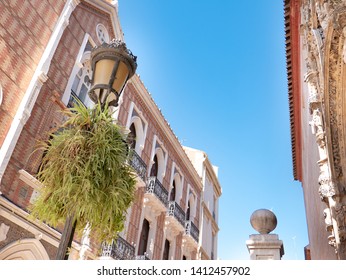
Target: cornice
(212, 175)
(292, 23)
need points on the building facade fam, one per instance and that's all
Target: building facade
(209, 211)
(45, 63)
(316, 51)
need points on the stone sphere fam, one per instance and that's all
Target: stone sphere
(263, 220)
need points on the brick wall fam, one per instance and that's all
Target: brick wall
(25, 28)
(46, 112)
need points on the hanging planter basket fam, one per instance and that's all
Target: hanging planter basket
(86, 175)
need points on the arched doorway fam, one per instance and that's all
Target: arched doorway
(25, 249)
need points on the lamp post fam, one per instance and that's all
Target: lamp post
(112, 66)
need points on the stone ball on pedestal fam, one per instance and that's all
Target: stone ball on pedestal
(264, 221)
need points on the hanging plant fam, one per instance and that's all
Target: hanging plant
(86, 175)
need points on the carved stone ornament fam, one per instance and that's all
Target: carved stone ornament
(326, 189)
(311, 78)
(332, 241)
(328, 219)
(324, 37)
(317, 124)
(323, 13)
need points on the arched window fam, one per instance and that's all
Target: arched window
(81, 83)
(131, 137)
(172, 194)
(154, 167)
(102, 33)
(188, 211)
(143, 242)
(165, 255)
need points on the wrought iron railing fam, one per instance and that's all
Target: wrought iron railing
(155, 187)
(73, 100)
(175, 211)
(192, 230)
(119, 249)
(138, 164)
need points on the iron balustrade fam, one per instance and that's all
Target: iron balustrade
(175, 211)
(192, 230)
(138, 164)
(154, 186)
(119, 249)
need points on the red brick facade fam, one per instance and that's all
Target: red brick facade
(25, 28)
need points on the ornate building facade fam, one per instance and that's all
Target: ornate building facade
(45, 62)
(316, 52)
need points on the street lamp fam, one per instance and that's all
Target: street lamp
(112, 66)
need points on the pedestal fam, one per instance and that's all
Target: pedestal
(265, 247)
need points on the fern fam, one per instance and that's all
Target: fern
(85, 174)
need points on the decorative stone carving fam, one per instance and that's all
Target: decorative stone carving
(322, 11)
(340, 217)
(326, 106)
(326, 188)
(328, 219)
(38, 236)
(3, 231)
(311, 79)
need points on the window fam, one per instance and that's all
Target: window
(172, 194)
(143, 242)
(131, 138)
(140, 125)
(165, 255)
(188, 211)
(80, 86)
(212, 247)
(102, 33)
(154, 167)
(81, 83)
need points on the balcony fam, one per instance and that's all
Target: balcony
(156, 196)
(191, 235)
(175, 217)
(138, 165)
(119, 249)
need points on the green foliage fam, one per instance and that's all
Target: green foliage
(85, 173)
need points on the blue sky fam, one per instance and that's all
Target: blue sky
(217, 71)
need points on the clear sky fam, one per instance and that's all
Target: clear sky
(217, 71)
